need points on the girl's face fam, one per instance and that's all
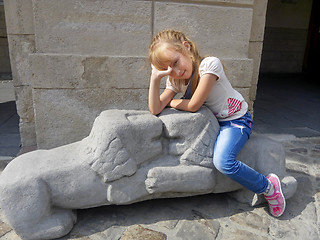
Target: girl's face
(180, 63)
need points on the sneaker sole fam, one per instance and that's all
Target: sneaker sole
(280, 188)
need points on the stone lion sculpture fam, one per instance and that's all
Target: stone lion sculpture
(129, 156)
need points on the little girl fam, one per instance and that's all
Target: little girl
(204, 82)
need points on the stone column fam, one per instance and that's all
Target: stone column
(20, 30)
(256, 44)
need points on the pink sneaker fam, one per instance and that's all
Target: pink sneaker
(276, 201)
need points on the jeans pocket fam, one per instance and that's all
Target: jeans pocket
(245, 122)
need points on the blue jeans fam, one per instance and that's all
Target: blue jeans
(231, 139)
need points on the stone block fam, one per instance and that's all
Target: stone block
(255, 51)
(28, 136)
(19, 16)
(239, 71)
(139, 232)
(25, 111)
(79, 71)
(114, 27)
(244, 92)
(250, 107)
(66, 115)
(214, 33)
(258, 20)
(20, 48)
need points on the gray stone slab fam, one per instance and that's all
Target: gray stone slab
(84, 71)
(66, 115)
(225, 37)
(25, 110)
(113, 27)
(20, 47)
(19, 16)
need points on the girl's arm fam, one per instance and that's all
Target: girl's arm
(198, 98)
(156, 101)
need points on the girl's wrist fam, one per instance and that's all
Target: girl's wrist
(155, 79)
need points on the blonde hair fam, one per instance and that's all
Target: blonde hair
(174, 39)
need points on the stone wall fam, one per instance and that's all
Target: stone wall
(73, 59)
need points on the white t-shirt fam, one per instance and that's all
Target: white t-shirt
(224, 101)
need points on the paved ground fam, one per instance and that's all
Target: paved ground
(286, 109)
(288, 104)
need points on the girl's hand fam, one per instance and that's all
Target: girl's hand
(156, 101)
(157, 74)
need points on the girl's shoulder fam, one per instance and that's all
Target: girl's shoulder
(210, 60)
(210, 64)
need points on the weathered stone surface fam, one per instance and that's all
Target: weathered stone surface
(20, 47)
(128, 157)
(71, 117)
(25, 110)
(4, 228)
(255, 50)
(197, 230)
(251, 220)
(207, 25)
(243, 234)
(237, 69)
(258, 21)
(106, 27)
(139, 232)
(19, 17)
(61, 71)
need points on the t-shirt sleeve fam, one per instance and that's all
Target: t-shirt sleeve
(211, 65)
(171, 86)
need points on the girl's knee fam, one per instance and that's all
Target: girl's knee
(220, 164)
(226, 166)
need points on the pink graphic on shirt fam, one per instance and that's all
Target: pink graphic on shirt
(234, 105)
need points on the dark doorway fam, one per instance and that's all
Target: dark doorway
(311, 60)
(288, 95)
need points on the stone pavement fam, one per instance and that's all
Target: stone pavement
(289, 104)
(218, 216)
